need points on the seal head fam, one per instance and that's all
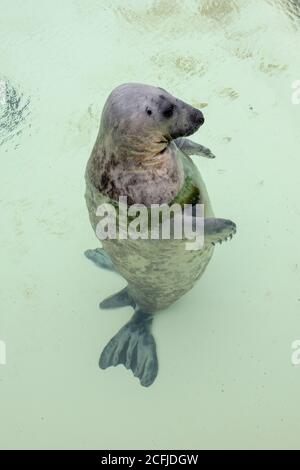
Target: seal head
(134, 155)
(142, 119)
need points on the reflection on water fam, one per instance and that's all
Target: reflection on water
(291, 7)
(14, 110)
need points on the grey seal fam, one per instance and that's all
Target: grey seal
(142, 152)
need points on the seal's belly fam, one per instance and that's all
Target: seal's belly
(158, 272)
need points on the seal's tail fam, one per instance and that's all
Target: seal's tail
(135, 348)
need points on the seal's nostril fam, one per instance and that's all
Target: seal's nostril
(197, 117)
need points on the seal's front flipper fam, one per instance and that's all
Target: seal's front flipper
(135, 348)
(218, 230)
(189, 147)
(100, 258)
(121, 299)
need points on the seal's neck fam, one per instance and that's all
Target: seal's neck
(137, 150)
(152, 174)
(155, 159)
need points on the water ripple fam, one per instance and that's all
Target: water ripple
(14, 111)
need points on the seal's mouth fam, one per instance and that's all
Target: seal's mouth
(197, 117)
(190, 124)
(188, 127)
(164, 142)
(197, 120)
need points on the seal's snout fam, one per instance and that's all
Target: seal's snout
(197, 117)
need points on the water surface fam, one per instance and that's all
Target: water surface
(226, 378)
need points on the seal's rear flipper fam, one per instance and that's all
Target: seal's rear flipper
(135, 348)
(120, 299)
(218, 230)
(100, 258)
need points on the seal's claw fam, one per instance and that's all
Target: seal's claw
(218, 230)
(207, 153)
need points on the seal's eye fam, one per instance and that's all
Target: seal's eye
(167, 113)
(148, 111)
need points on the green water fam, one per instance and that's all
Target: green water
(225, 374)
